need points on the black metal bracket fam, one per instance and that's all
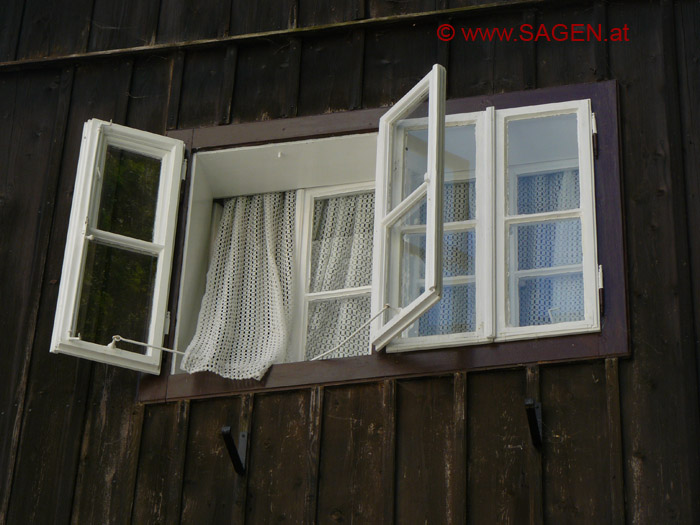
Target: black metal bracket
(534, 420)
(237, 454)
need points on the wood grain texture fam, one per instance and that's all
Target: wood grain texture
(148, 93)
(395, 60)
(331, 73)
(205, 95)
(380, 8)
(54, 28)
(658, 387)
(534, 455)
(10, 25)
(617, 482)
(571, 61)
(58, 385)
(687, 18)
(263, 15)
(575, 463)
(27, 195)
(104, 487)
(267, 81)
(425, 464)
(314, 13)
(128, 23)
(158, 492)
(188, 20)
(498, 448)
(280, 482)
(209, 481)
(351, 474)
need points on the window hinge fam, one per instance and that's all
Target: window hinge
(594, 130)
(601, 295)
(183, 174)
(166, 328)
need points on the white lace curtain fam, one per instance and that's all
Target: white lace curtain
(244, 320)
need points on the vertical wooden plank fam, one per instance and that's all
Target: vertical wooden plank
(158, 492)
(281, 478)
(267, 81)
(331, 73)
(177, 69)
(617, 489)
(573, 61)
(659, 386)
(10, 25)
(351, 473)
(574, 407)
(110, 448)
(395, 60)
(457, 482)
(119, 25)
(209, 481)
(240, 493)
(58, 385)
(534, 456)
(498, 444)
(389, 450)
(148, 94)
(263, 15)
(687, 43)
(27, 196)
(188, 20)
(425, 459)
(313, 457)
(313, 13)
(206, 88)
(54, 28)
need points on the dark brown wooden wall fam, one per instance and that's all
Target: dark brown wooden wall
(620, 438)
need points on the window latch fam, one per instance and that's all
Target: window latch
(237, 454)
(594, 131)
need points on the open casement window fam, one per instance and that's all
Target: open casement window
(406, 278)
(118, 256)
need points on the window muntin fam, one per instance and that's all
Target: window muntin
(119, 246)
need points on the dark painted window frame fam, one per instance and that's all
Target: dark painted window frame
(611, 341)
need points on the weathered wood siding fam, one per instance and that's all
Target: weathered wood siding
(620, 438)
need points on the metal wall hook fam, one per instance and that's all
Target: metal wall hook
(534, 420)
(237, 454)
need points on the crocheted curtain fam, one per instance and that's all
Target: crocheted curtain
(244, 320)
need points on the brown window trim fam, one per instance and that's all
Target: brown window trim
(611, 341)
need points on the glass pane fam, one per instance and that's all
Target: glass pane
(406, 261)
(547, 244)
(534, 145)
(341, 242)
(459, 195)
(333, 320)
(129, 194)
(545, 192)
(454, 314)
(458, 252)
(549, 299)
(116, 296)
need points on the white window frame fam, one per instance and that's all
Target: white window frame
(432, 86)
(97, 135)
(586, 214)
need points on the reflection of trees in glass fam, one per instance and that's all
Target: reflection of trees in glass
(116, 295)
(129, 194)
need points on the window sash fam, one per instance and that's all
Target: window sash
(431, 86)
(585, 213)
(97, 135)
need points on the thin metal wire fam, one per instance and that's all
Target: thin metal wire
(116, 338)
(319, 356)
